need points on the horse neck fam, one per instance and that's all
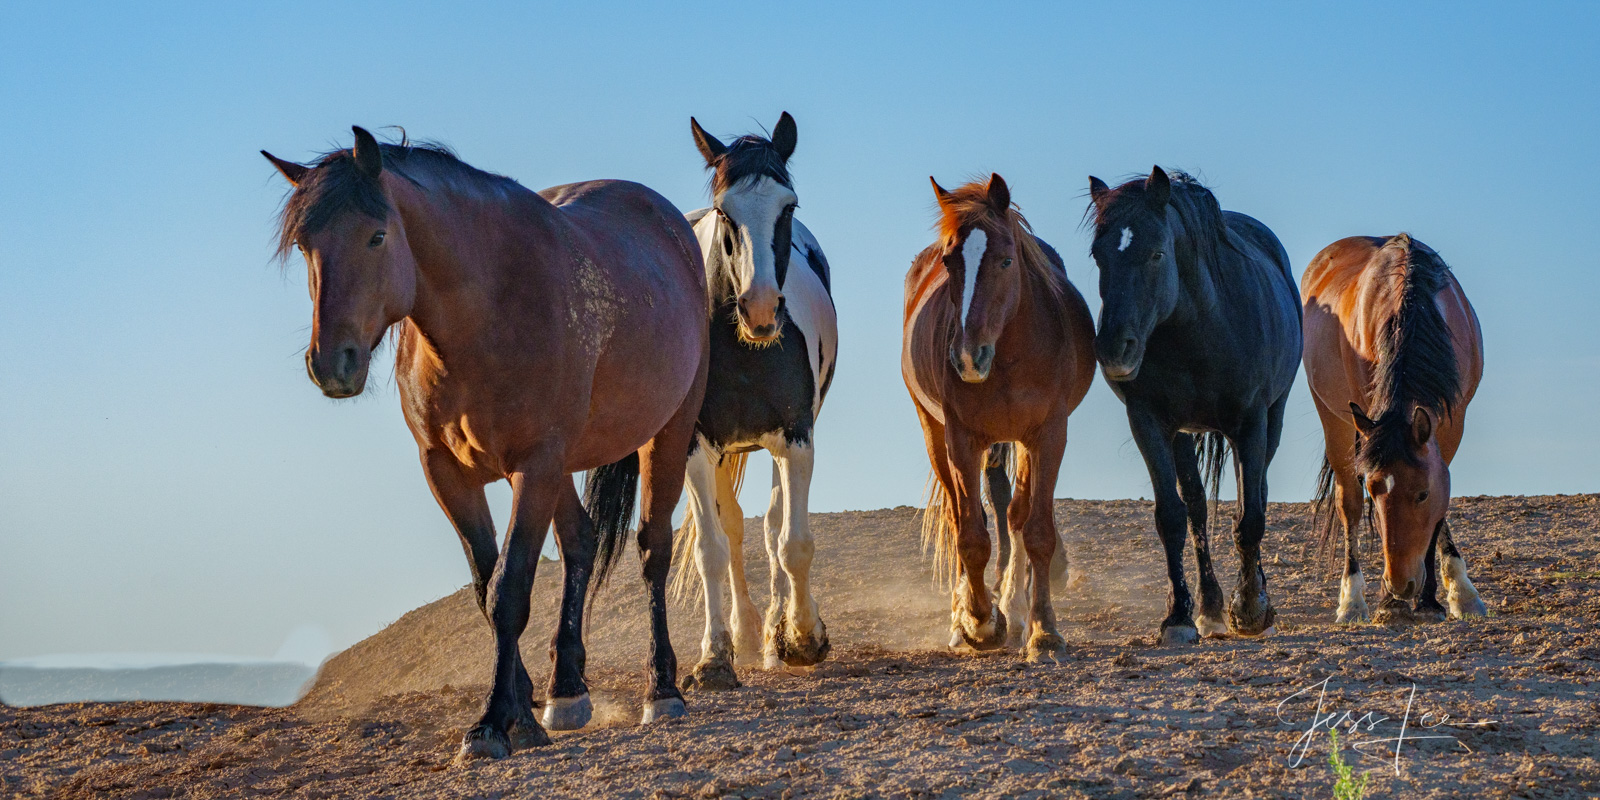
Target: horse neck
(1198, 288)
(456, 295)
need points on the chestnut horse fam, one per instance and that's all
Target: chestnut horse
(998, 347)
(1200, 339)
(538, 335)
(1393, 355)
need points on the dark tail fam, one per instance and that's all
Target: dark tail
(609, 494)
(1324, 525)
(1000, 454)
(1212, 450)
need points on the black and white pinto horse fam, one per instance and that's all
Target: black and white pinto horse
(774, 337)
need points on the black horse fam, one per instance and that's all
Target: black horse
(1200, 337)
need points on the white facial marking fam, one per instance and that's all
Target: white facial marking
(972, 256)
(755, 207)
(1127, 239)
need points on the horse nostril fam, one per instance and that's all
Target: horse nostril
(1128, 345)
(984, 358)
(344, 366)
(1411, 588)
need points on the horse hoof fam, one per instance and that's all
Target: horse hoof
(712, 675)
(993, 639)
(568, 713)
(1352, 615)
(1429, 614)
(1178, 634)
(483, 742)
(1211, 626)
(1469, 608)
(1394, 615)
(526, 733)
(1251, 618)
(665, 708)
(1046, 647)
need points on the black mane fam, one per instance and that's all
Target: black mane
(749, 157)
(1416, 360)
(1196, 206)
(335, 186)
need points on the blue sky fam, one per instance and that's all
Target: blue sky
(169, 479)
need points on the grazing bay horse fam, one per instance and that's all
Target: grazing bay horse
(538, 335)
(1393, 354)
(998, 347)
(774, 339)
(1200, 338)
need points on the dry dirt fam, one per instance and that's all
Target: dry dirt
(894, 714)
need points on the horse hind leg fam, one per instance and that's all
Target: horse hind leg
(1016, 574)
(1460, 595)
(746, 621)
(778, 580)
(1427, 607)
(710, 552)
(567, 705)
(1210, 622)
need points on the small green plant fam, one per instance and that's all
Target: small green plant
(1347, 787)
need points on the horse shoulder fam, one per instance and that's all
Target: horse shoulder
(806, 244)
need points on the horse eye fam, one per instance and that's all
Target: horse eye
(1422, 497)
(1005, 263)
(1157, 255)
(377, 239)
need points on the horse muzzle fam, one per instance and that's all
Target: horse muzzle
(1119, 357)
(973, 367)
(338, 372)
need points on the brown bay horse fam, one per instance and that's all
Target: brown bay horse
(998, 347)
(537, 335)
(1393, 354)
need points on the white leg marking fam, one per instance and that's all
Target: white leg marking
(710, 547)
(1353, 599)
(972, 256)
(772, 525)
(795, 464)
(1461, 595)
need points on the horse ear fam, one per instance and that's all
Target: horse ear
(1364, 425)
(1157, 189)
(939, 192)
(999, 193)
(783, 136)
(1421, 427)
(292, 172)
(368, 157)
(710, 147)
(1099, 192)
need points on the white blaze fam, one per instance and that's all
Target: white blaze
(1127, 239)
(972, 255)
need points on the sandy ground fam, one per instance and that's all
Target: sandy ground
(894, 714)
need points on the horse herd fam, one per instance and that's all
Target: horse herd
(594, 327)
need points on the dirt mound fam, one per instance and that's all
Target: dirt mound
(894, 714)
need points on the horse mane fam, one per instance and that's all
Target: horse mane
(968, 205)
(1416, 357)
(747, 158)
(1195, 205)
(335, 186)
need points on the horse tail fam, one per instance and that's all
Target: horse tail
(1002, 454)
(609, 495)
(1212, 451)
(939, 533)
(684, 588)
(1323, 525)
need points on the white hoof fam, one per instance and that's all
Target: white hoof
(567, 713)
(1211, 627)
(665, 708)
(1178, 634)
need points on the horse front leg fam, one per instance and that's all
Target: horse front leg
(715, 670)
(979, 621)
(536, 489)
(462, 499)
(567, 705)
(802, 638)
(1015, 573)
(1155, 444)
(1353, 585)
(1250, 612)
(1461, 596)
(1427, 607)
(1041, 540)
